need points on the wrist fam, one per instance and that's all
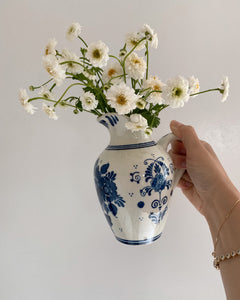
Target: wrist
(217, 210)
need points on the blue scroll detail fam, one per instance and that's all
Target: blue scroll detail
(135, 177)
(104, 123)
(112, 119)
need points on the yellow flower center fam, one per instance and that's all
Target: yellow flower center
(71, 30)
(136, 61)
(177, 92)
(89, 100)
(157, 87)
(134, 42)
(50, 71)
(96, 54)
(111, 72)
(121, 100)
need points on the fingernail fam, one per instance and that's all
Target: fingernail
(175, 123)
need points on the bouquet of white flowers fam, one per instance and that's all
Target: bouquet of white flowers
(109, 83)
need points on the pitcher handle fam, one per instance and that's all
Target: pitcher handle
(164, 142)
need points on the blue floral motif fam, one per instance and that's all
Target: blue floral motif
(156, 176)
(156, 218)
(107, 190)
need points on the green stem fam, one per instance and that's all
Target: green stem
(210, 90)
(83, 41)
(35, 98)
(124, 60)
(147, 52)
(133, 49)
(52, 87)
(99, 76)
(71, 62)
(148, 94)
(144, 90)
(71, 97)
(66, 92)
(116, 58)
(86, 61)
(119, 76)
(46, 99)
(38, 87)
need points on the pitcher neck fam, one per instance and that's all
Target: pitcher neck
(119, 134)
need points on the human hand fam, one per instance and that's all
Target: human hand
(205, 181)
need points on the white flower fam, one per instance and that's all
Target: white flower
(30, 109)
(113, 69)
(154, 84)
(175, 93)
(194, 86)
(73, 31)
(23, 97)
(89, 74)
(135, 66)
(56, 71)
(97, 53)
(50, 111)
(45, 93)
(71, 66)
(122, 98)
(89, 101)
(224, 88)
(137, 122)
(133, 38)
(50, 48)
(150, 35)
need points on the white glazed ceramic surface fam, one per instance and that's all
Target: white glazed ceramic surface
(134, 179)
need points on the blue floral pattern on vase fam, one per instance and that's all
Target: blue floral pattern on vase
(156, 176)
(107, 190)
(156, 218)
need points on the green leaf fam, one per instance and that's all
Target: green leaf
(83, 51)
(79, 77)
(79, 105)
(152, 119)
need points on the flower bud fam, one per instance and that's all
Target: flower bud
(31, 88)
(75, 111)
(122, 52)
(148, 131)
(141, 104)
(106, 87)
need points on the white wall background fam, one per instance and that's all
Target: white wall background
(55, 243)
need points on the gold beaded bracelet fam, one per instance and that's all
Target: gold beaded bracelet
(219, 258)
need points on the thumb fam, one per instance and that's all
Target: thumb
(186, 134)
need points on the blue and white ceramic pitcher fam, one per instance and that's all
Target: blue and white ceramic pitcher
(134, 178)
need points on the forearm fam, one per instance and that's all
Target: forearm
(229, 237)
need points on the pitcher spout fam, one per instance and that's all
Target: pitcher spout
(119, 134)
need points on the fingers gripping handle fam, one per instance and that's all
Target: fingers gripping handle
(164, 142)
